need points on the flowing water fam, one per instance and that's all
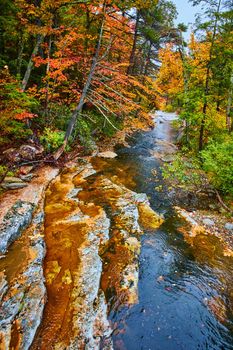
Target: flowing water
(185, 292)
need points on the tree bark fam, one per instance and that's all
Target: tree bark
(130, 69)
(185, 80)
(46, 108)
(229, 106)
(20, 57)
(207, 81)
(79, 107)
(27, 74)
(147, 63)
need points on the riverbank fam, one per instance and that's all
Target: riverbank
(74, 239)
(199, 206)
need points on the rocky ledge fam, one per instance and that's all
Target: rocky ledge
(22, 289)
(92, 232)
(201, 222)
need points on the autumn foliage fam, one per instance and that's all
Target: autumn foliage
(50, 56)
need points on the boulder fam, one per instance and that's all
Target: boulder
(25, 170)
(12, 155)
(169, 158)
(23, 302)
(107, 154)
(208, 222)
(27, 177)
(229, 226)
(30, 152)
(12, 183)
(14, 222)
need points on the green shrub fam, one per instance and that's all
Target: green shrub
(3, 170)
(83, 131)
(58, 116)
(52, 139)
(185, 172)
(170, 109)
(218, 163)
(13, 130)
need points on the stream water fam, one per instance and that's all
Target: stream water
(185, 292)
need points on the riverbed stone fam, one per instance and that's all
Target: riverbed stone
(12, 155)
(229, 226)
(22, 304)
(3, 285)
(30, 152)
(194, 227)
(107, 154)
(168, 158)
(208, 222)
(14, 222)
(27, 178)
(25, 169)
(12, 183)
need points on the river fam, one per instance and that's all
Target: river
(177, 282)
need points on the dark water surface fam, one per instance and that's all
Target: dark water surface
(185, 292)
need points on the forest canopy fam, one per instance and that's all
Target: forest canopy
(73, 71)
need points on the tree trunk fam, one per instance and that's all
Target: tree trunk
(27, 74)
(79, 107)
(46, 109)
(133, 52)
(229, 106)
(185, 80)
(148, 57)
(207, 81)
(20, 57)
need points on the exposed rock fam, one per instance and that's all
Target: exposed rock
(229, 226)
(30, 194)
(121, 252)
(79, 205)
(3, 285)
(14, 222)
(107, 154)
(13, 185)
(168, 158)
(208, 222)
(195, 229)
(22, 304)
(27, 177)
(148, 218)
(23, 293)
(25, 170)
(90, 312)
(73, 238)
(12, 179)
(12, 155)
(30, 152)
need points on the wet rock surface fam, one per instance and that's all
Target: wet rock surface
(13, 183)
(23, 300)
(92, 234)
(107, 154)
(25, 152)
(18, 217)
(199, 224)
(22, 289)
